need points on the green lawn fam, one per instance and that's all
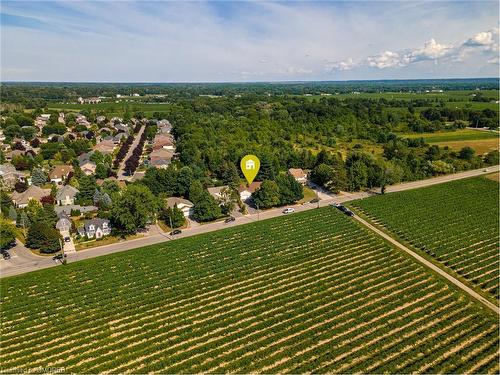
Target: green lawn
(311, 292)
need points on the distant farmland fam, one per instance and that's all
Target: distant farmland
(456, 223)
(309, 292)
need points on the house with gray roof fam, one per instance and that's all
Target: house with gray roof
(66, 195)
(95, 228)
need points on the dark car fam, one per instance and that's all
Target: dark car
(315, 200)
(6, 255)
(57, 257)
(175, 231)
(67, 239)
(229, 219)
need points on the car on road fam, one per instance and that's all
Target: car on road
(6, 255)
(175, 231)
(315, 200)
(58, 257)
(67, 239)
(288, 210)
(230, 219)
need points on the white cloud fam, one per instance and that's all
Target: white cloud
(345, 65)
(484, 39)
(432, 50)
(386, 59)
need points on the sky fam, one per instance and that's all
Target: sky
(228, 41)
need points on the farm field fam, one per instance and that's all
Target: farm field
(456, 223)
(309, 292)
(454, 136)
(481, 147)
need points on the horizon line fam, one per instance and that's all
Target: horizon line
(259, 82)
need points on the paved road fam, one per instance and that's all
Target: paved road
(121, 172)
(27, 263)
(430, 265)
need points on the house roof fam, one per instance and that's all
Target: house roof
(297, 172)
(66, 191)
(60, 171)
(97, 222)
(105, 146)
(214, 191)
(172, 201)
(251, 188)
(33, 192)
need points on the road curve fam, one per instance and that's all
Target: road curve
(430, 265)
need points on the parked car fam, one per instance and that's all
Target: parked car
(229, 219)
(175, 231)
(6, 255)
(315, 200)
(288, 210)
(67, 239)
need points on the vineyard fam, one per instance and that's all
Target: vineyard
(456, 223)
(309, 292)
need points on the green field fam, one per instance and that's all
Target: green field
(117, 109)
(456, 223)
(451, 136)
(309, 292)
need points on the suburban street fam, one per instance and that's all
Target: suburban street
(23, 260)
(121, 172)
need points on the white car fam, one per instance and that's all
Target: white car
(288, 210)
(335, 204)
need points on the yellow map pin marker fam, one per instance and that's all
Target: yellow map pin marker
(250, 165)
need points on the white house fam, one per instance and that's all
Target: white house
(182, 204)
(246, 191)
(299, 175)
(95, 228)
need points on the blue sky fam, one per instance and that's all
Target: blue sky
(168, 41)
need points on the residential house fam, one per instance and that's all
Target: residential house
(299, 175)
(21, 200)
(164, 126)
(163, 141)
(66, 195)
(216, 191)
(75, 207)
(63, 224)
(10, 175)
(60, 173)
(62, 118)
(182, 204)
(160, 158)
(100, 119)
(95, 228)
(105, 147)
(246, 191)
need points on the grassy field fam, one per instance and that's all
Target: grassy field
(482, 146)
(456, 223)
(309, 292)
(454, 136)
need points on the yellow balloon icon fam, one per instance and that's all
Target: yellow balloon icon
(250, 165)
